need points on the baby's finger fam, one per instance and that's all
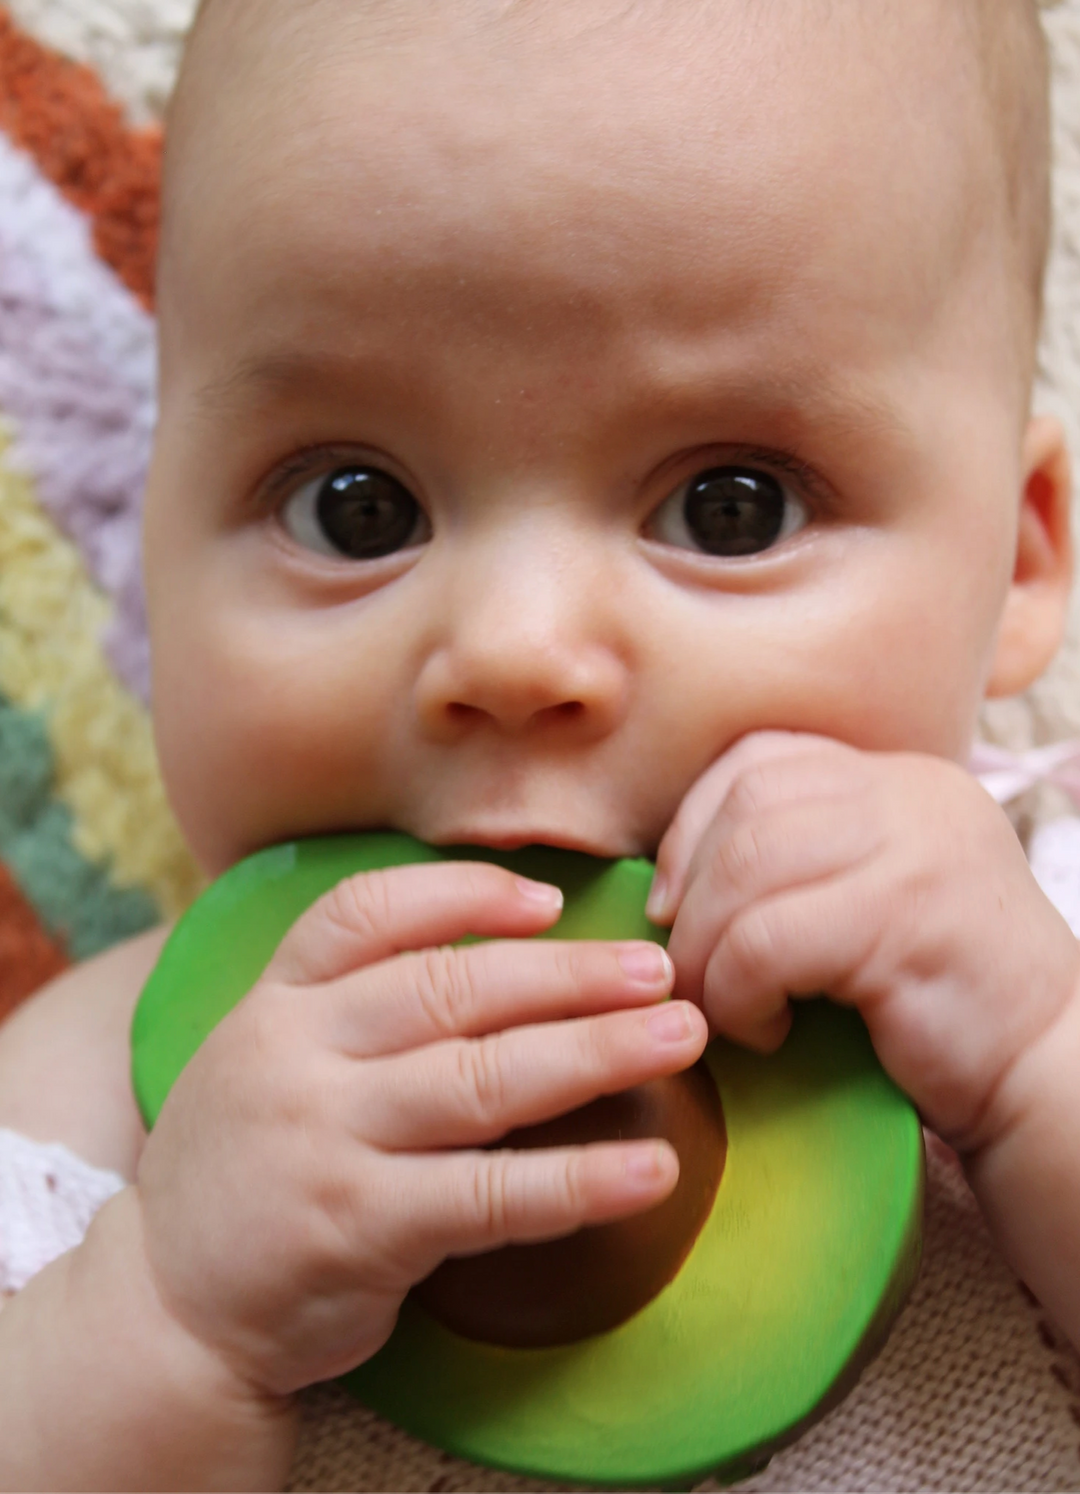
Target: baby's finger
(377, 914)
(700, 806)
(465, 1202)
(468, 992)
(759, 857)
(468, 1093)
(812, 941)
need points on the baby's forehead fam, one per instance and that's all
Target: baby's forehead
(685, 83)
(448, 117)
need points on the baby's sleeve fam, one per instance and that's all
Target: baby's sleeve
(48, 1196)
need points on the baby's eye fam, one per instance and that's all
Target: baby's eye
(358, 512)
(728, 511)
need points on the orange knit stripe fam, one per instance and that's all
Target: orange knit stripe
(59, 113)
(28, 957)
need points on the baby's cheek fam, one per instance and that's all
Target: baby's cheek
(261, 739)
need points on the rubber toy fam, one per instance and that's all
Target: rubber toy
(789, 1290)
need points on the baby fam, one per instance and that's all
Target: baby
(582, 422)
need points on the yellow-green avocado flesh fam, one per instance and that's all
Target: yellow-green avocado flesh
(791, 1287)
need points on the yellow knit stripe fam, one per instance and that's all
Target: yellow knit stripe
(52, 618)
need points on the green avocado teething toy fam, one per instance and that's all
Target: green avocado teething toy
(805, 1257)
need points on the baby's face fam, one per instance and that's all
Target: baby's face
(554, 398)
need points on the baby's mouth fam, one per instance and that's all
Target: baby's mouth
(593, 823)
(515, 840)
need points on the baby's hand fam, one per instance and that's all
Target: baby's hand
(321, 1152)
(890, 881)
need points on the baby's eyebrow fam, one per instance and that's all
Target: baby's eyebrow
(264, 376)
(799, 400)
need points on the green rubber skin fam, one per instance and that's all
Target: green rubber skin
(791, 1287)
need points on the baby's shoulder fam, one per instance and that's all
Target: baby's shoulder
(65, 1063)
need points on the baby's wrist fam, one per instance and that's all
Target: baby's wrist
(194, 1382)
(1027, 1175)
(1042, 1077)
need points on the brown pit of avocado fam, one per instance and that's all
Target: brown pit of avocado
(559, 1291)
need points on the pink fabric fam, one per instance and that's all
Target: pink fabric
(77, 376)
(1006, 775)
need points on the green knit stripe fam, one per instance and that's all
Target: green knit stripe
(72, 896)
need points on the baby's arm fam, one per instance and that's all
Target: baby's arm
(100, 1388)
(65, 1058)
(1027, 1176)
(324, 1150)
(892, 881)
(97, 1388)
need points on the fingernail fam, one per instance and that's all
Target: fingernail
(647, 1163)
(647, 965)
(539, 892)
(656, 906)
(670, 1023)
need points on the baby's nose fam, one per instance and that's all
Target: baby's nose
(524, 663)
(581, 696)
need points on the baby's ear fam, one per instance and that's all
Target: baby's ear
(1036, 608)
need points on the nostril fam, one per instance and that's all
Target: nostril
(457, 710)
(465, 715)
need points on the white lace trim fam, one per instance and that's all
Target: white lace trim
(48, 1197)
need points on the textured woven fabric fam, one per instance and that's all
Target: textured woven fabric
(48, 1197)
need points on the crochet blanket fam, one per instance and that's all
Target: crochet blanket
(89, 852)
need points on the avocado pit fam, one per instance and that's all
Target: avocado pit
(558, 1291)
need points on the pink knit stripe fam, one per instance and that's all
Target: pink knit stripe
(77, 369)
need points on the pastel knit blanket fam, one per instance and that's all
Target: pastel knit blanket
(89, 852)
